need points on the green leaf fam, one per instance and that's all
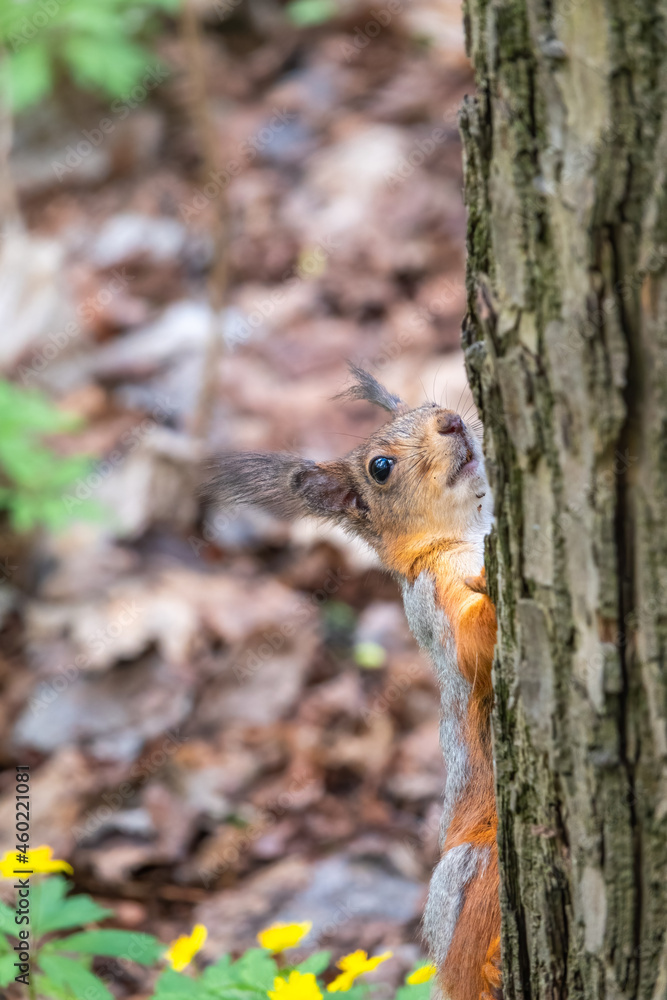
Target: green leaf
(7, 922)
(222, 979)
(219, 974)
(305, 13)
(45, 987)
(41, 484)
(47, 895)
(141, 948)
(357, 992)
(256, 968)
(7, 969)
(29, 75)
(51, 911)
(113, 65)
(97, 41)
(418, 991)
(65, 972)
(174, 986)
(27, 409)
(316, 963)
(89, 19)
(237, 992)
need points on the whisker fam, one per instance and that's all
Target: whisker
(356, 437)
(417, 460)
(423, 389)
(445, 394)
(435, 377)
(414, 468)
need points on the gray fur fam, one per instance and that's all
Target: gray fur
(285, 485)
(432, 631)
(461, 864)
(367, 387)
(446, 895)
(264, 479)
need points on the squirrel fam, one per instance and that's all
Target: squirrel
(416, 491)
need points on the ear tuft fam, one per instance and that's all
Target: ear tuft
(367, 387)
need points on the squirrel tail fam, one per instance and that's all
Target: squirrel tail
(472, 970)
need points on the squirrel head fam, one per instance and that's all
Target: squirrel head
(415, 484)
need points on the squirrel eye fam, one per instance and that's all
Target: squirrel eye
(380, 468)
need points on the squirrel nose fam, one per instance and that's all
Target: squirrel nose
(450, 423)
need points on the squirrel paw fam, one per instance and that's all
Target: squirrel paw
(492, 973)
(477, 583)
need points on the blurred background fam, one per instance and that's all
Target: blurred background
(206, 210)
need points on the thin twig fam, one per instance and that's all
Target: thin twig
(218, 274)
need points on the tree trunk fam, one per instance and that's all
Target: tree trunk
(566, 347)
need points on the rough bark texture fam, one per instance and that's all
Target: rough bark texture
(566, 345)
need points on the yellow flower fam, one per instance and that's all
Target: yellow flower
(39, 861)
(281, 936)
(183, 950)
(299, 986)
(421, 975)
(354, 965)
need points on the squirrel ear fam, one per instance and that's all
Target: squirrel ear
(285, 485)
(328, 490)
(266, 480)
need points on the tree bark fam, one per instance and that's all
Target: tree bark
(566, 345)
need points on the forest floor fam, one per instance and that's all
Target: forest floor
(195, 759)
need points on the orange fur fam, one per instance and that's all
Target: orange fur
(472, 968)
(470, 971)
(411, 554)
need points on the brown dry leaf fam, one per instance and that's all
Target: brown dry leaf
(261, 684)
(113, 714)
(235, 609)
(58, 790)
(235, 916)
(33, 302)
(123, 623)
(417, 771)
(366, 754)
